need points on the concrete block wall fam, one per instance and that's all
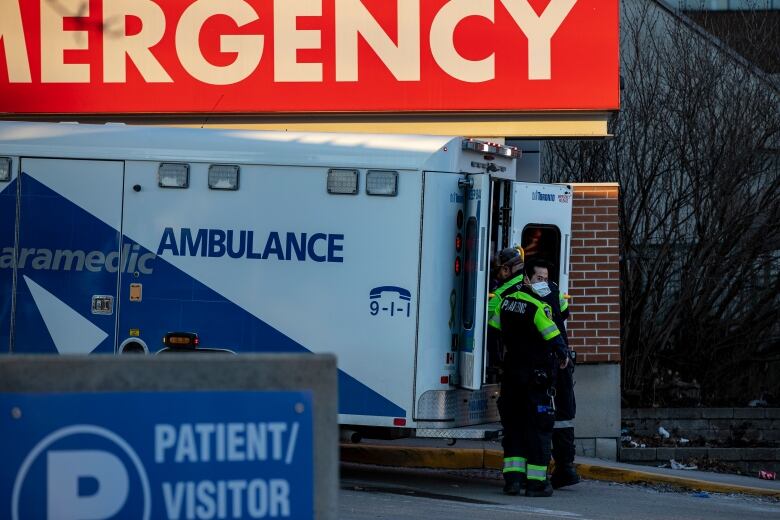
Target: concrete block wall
(725, 435)
(713, 426)
(594, 279)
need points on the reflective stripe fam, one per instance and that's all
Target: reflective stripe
(564, 424)
(548, 330)
(495, 322)
(514, 470)
(514, 461)
(514, 465)
(537, 472)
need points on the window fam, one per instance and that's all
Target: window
(543, 241)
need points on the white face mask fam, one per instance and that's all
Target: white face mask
(541, 288)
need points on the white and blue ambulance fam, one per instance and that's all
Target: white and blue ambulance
(374, 247)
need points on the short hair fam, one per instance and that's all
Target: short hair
(533, 263)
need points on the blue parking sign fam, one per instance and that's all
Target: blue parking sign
(149, 455)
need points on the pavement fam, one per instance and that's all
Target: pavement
(435, 453)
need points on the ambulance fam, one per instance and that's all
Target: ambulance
(376, 248)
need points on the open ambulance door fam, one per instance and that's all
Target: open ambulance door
(476, 269)
(541, 223)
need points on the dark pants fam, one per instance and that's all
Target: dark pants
(565, 404)
(563, 448)
(527, 420)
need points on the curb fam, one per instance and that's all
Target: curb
(629, 476)
(448, 458)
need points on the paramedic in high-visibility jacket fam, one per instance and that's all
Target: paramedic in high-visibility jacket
(508, 279)
(535, 351)
(563, 449)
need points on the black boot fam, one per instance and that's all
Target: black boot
(513, 483)
(564, 476)
(538, 488)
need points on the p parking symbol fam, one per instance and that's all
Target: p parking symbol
(66, 470)
(84, 483)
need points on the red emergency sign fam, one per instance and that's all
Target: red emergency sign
(289, 56)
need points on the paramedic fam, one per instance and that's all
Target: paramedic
(508, 276)
(563, 449)
(534, 351)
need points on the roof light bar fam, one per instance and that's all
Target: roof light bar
(493, 148)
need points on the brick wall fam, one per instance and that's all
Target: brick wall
(594, 276)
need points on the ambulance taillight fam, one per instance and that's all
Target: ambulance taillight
(181, 340)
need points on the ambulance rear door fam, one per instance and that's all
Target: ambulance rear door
(541, 223)
(476, 237)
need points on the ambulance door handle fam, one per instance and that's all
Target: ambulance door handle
(102, 304)
(466, 184)
(566, 254)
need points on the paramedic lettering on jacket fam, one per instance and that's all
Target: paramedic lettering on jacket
(534, 352)
(507, 278)
(563, 449)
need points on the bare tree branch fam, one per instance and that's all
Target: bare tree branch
(697, 155)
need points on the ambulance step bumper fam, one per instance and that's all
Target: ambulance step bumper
(483, 432)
